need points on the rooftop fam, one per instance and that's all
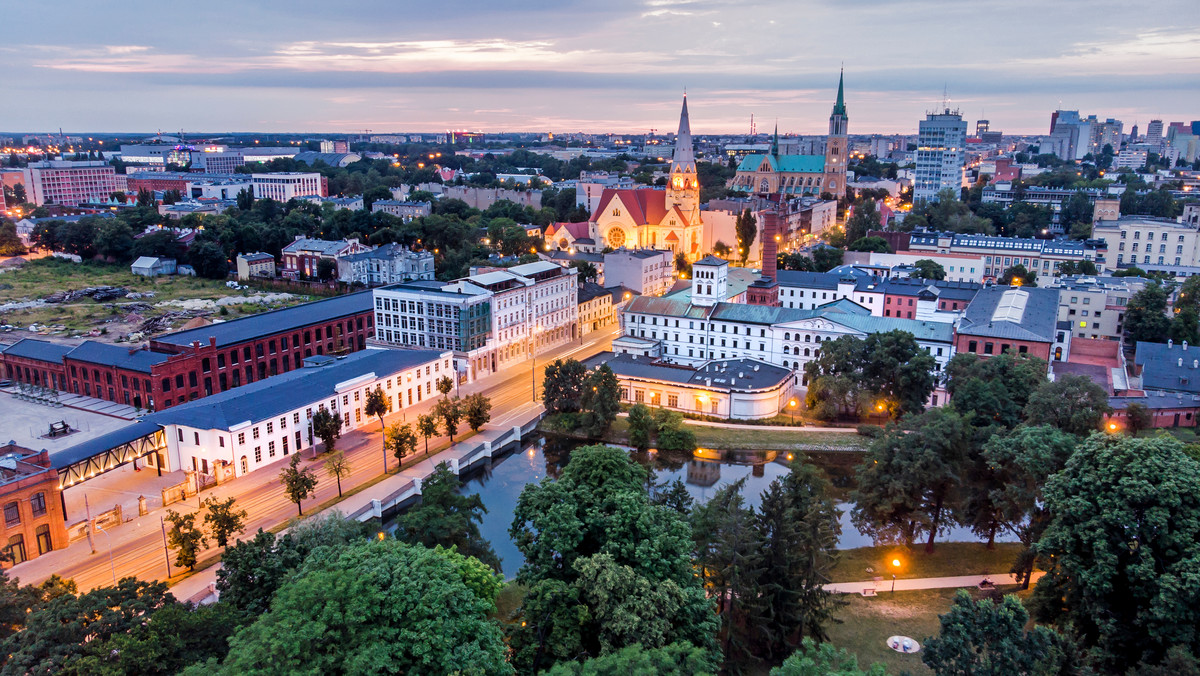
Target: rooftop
(1026, 313)
(1169, 366)
(276, 321)
(721, 374)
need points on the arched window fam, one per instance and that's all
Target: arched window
(245, 465)
(818, 339)
(806, 352)
(787, 336)
(808, 337)
(787, 350)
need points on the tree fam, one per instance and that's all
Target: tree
(1186, 325)
(166, 640)
(209, 260)
(1017, 275)
(988, 638)
(1146, 315)
(600, 402)
(444, 385)
(863, 219)
(928, 269)
(682, 265)
(909, 481)
(823, 659)
(605, 568)
(222, 520)
(337, 466)
(642, 427)
(10, 241)
(746, 227)
(996, 389)
(672, 435)
(185, 538)
(1068, 268)
(447, 518)
(427, 425)
(1137, 418)
(676, 659)
(876, 244)
(114, 240)
(327, 427)
(826, 258)
(562, 386)
(245, 199)
(1072, 403)
(298, 483)
(402, 441)
(587, 271)
(721, 249)
(1124, 539)
(326, 269)
(377, 405)
(450, 412)
(477, 410)
(377, 605)
(888, 370)
(1076, 216)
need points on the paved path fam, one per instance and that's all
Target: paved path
(884, 586)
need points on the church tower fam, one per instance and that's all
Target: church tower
(683, 189)
(837, 146)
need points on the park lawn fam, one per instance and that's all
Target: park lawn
(751, 439)
(948, 559)
(867, 623)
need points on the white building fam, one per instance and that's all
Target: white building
(219, 190)
(1131, 159)
(70, 183)
(941, 154)
(238, 431)
(386, 264)
(1040, 256)
(403, 210)
(650, 272)
(491, 320)
(591, 185)
(284, 186)
(1147, 241)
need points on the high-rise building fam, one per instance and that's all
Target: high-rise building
(1133, 133)
(283, 186)
(70, 183)
(941, 154)
(981, 128)
(1154, 132)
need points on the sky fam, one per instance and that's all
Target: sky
(566, 66)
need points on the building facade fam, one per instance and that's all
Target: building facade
(403, 210)
(284, 186)
(387, 264)
(941, 155)
(257, 264)
(1144, 240)
(650, 272)
(34, 518)
(302, 256)
(70, 183)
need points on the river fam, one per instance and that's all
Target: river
(500, 485)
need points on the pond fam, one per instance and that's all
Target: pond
(500, 485)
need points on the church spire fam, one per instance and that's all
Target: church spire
(684, 155)
(775, 141)
(839, 107)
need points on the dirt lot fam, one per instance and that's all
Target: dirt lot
(139, 308)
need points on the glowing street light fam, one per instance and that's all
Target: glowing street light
(895, 569)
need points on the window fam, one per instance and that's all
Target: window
(270, 427)
(241, 438)
(258, 454)
(43, 539)
(12, 514)
(37, 503)
(271, 449)
(196, 438)
(255, 433)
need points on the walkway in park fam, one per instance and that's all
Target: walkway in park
(884, 585)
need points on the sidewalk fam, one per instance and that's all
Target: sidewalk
(885, 584)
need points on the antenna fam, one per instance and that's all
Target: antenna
(945, 89)
(753, 129)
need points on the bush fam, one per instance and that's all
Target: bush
(870, 431)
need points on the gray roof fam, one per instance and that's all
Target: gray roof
(590, 291)
(711, 260)
(321, 246)
(722, 374)
(276, 321)
(258, 256)
(113, 355)
(908, 286)
(41, 350)
(1036, 323)
(1168, 366)
(285, 392)
(332, 159)
(809, 280)
(384, 252)
(1158, 399)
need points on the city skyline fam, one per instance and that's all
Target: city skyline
(616, 67)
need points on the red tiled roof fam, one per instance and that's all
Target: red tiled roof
(577, 230)
(645, 206)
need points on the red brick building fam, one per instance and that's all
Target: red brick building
(34, 522)
(195, 363)
(1001, 319)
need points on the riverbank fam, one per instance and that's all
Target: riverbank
(732, 437)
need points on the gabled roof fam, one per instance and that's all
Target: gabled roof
(1168, 366)
(105, 354)
(645, 206)
(576, 230)
(275, 321)
(146, 262)
(1016, 314)
(41, 350)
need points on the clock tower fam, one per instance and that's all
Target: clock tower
(683, 188)
(837, 146)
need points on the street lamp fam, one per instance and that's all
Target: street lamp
(792, 410)
(533, 360)
(111, 565)
(895, 568)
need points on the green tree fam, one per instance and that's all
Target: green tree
(427, 425)
(1067, 268)
(167, 641)
(928, 269)
(988, 638)
(378, 605)
(672, 435)
(865, 217)
(1017, 275)
(823, 659)
(327, 427)
(402, 441)
(1072, 403)
(245, 199)
(209, 260)
(377, 404)
(562, 386)
(447, 518)
(1124, 539)
(826, 258)
(185, 538)
(721, 249)
(746, 227)
(676, 659)
(326, 269)
(10, 241)
(1146, 315)
(600, 402)
(587, 271)
(337, 466)
(885, 369)
(477, 410)
(1186, 325)
(450, 412)
(298, 483)
(1137, 418)
(444, 385)
(909, 483)
(642, 427)
(995, 389)
(114, 239)
(876, 244)
(1076, 216)
(222, 520)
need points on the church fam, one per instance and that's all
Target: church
(798, 175)
(656, 219)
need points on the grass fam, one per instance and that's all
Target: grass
(866, 624)
(947, 559)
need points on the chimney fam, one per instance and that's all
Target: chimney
(1170, 343)
(770, 248)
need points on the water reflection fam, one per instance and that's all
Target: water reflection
(500, 484)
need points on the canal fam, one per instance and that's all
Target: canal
(501, 482)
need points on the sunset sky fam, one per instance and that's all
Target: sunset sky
(562, 66)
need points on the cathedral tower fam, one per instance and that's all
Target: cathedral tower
(837, 146)
(683, 189)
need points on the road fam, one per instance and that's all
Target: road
(137, 546)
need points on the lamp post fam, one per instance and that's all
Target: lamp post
(895, 567)
(111, 565)
(792, 410)
(533, 360)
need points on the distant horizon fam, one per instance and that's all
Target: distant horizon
(617, 67)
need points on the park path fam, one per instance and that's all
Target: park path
(884, 586)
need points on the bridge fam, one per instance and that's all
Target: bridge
(109, 451)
